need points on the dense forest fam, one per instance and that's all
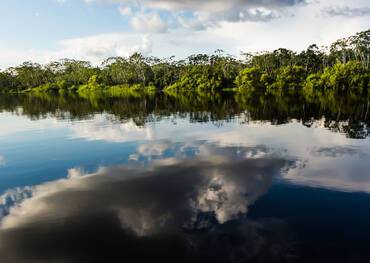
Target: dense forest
(343, 67)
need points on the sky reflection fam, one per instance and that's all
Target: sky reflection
(170, 201)
(182, 191)
(326, 159)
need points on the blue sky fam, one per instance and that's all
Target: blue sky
(45, 30)
(41, 23)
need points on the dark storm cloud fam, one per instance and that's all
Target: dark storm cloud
(145, 214)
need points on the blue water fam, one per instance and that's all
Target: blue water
(178, 190)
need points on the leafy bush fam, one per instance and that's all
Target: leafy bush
(199, 78)
(351, 75)
(251, 78)
(289, 77)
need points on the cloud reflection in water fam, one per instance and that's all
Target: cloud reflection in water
(174, 210)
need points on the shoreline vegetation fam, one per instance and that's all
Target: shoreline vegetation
(343, 68)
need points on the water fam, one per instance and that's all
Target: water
(183, 179)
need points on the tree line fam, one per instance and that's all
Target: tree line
(343, 66)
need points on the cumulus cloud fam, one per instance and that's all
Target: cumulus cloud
(199, 15)
(106, 45)
(92, 48)
(122, 206)
(149, 22)
(153, 149)
(125, 11)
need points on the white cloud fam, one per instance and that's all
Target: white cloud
(297, 32)
(153, 149)
(149, 22)
(94, 48)
(199, 15)
(235, 25)
(125, 11)
(106, 45)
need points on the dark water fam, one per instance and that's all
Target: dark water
(231, 178)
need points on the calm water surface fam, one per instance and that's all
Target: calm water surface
(161, 179)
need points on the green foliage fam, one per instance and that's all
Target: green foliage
(29, 75)
(312, 59)
(199, 78)
(6, 82)
(346, 76)
(340, 77)
(289, 78)
(165, 73)
(75, 72)
(129, 71)
(251, 78)
(210, 73)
